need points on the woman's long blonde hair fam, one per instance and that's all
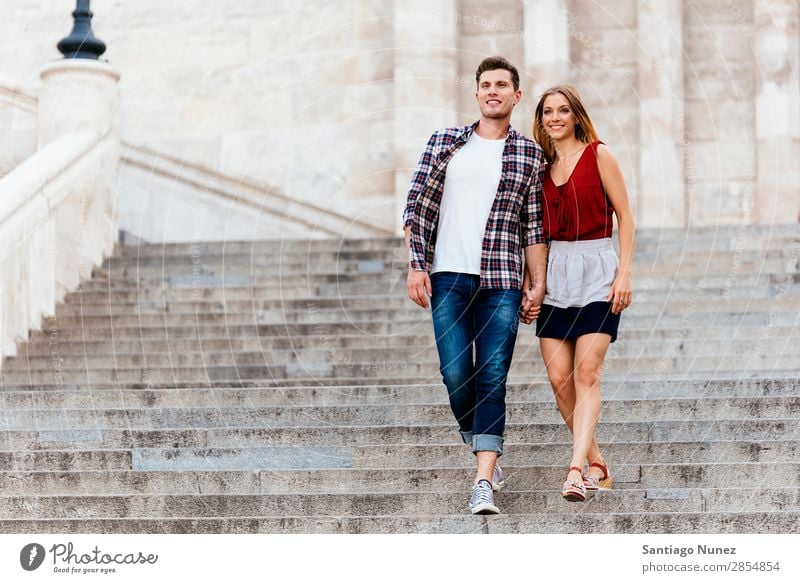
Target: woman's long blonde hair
(584, 130)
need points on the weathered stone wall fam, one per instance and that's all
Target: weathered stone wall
(604, 68)
(719, 81)
(333, 101)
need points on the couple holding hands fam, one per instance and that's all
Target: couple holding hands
(501, 229)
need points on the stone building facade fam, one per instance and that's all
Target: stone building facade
(331, 101)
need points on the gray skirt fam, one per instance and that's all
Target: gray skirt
(579, 279)
(580, 272)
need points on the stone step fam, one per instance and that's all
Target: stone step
(436, 456)
(242, 325)
(677, 340)
(748, 430)
(718, 237)
(405, 352)
(335, 383)
(670, 252)
(364, 364)
(352, 436)
(519, 454)
(273, 247)
(645, 256)
(743, 408)
(238, 464)
(581, 522)
(767, 286)
(400, 370)
(758, 476)
(103, 460)
(373, 504)
(328, 284)
(408, 311)
(106, 398)
(290, 383)
(233, 331)
(305, 268)
(726, 238)
(667, 523)
(326, 257)
(302, 374)
(19, 444)
(307, 271)
(653, 270)
(76, 305)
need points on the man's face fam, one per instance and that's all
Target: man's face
(496, 94)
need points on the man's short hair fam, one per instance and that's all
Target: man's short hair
(497, 62)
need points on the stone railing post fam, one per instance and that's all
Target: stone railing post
(77, 95)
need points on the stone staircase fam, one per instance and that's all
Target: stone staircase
(291, 387)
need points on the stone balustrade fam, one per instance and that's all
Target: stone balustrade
(58, 206)
(57, 220)
(18, 107)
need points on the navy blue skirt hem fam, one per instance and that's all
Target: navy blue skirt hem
(568, 323)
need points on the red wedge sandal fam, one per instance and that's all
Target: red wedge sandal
(573, 490)
(593, 483)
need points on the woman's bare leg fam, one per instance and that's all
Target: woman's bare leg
(559, 358)
(590, 351)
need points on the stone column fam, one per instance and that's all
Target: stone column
(777, 51)
(546, 44)
(77, 95)
(425, 82)
(661, 196)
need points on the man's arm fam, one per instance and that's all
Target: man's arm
(418, 282)
(534, 281)
(535, 274)
(418, 179)
(531, 213)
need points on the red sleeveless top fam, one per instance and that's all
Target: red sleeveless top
(579, 209)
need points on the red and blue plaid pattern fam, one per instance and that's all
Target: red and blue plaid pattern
(514, 221)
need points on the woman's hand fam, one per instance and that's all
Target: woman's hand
(531, 307)
(621, 294)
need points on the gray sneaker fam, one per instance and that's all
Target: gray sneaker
(482, 500)
(498, 478)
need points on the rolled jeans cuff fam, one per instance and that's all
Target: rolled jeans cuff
(487, 442)
(467, 437)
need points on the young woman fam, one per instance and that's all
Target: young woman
(587, 285)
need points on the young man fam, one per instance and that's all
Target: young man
(473, 205)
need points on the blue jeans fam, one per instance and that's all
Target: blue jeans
(468, 319)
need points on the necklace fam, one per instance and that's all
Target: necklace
(568, 156)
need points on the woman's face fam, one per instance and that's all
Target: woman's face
(557, 117)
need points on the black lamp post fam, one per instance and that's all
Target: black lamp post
(81, 43)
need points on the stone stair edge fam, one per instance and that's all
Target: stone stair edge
(351, 382)
(457, 446)
(630, 491)
(640, 522)
(617, 403)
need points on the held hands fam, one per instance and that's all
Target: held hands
(621, 294)
(532, 297)
(418, 285)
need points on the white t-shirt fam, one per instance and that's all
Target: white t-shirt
(470, 186)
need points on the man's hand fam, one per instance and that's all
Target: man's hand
(533, 282)
(532, 298)
(419, 284)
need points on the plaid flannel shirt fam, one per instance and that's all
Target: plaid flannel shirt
(515, 219)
